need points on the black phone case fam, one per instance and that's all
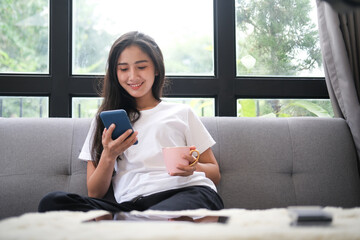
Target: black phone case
(309, 216)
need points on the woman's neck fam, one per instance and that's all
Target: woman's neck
(148, 104)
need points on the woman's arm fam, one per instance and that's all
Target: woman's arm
(99, 178)
(207, 164)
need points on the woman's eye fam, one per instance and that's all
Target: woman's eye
(142, 67)
(123, 69)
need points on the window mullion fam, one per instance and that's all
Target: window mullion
(225, 56)
(60, 15)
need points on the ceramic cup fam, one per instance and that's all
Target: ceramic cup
(173, 156)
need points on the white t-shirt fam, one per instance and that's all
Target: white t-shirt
(142, 171)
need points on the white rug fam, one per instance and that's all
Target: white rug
(243, 224)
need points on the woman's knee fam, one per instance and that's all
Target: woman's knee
(50, 201)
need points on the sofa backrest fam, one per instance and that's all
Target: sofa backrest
(264, 163)
(280, 162)
(38, 156)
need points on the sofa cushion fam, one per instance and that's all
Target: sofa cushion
(271, 162)
(39, 156)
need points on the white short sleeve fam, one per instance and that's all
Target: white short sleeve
(197, 134)
(85, 153)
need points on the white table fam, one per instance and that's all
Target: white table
(243, 224)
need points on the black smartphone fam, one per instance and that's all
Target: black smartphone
(120, 119)
(309, 216)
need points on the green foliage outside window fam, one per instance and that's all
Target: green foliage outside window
(90, 46)
(192, 55)
(87, 107)
(277, 37)
(284, 108)
(187, 50)
(24, 107)
(203, 107)
(24, 36)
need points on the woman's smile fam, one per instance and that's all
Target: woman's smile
(136, 86)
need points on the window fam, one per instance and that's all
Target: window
(57, 51)
(24, 36)
(277, 37)
(87, 107)
(183, 30)
(284, 108)
(203, 107)
(24, 107)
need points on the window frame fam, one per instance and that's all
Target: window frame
(60, 85)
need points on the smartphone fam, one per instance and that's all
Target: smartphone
(120, 119)
(309, 216)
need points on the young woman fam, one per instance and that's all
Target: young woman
(134, 81)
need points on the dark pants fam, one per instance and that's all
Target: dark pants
(177, 199)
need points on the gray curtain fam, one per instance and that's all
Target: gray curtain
(340, 46)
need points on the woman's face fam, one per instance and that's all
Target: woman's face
(136, 73)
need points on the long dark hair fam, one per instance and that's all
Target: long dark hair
(114, 96)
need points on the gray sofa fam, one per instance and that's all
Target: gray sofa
(265, 163)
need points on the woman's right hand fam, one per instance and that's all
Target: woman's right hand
(114, 148)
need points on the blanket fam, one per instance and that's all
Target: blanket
(242, 224)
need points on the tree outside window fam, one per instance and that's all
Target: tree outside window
(277, 37)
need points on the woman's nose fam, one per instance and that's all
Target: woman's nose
(132, 74)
